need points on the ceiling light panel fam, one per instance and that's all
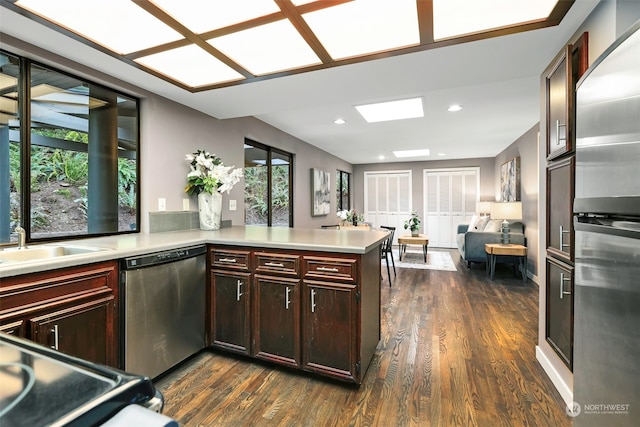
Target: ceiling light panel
(452, 18)
(365, 26)
(412, 153)
(118, 25)
(190, 65)
(267, 49)
(205, 15)
(392, 110)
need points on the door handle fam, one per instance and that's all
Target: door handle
(286, 299)
(562, 233)
(56, 340)
(558, 126)
(562, 280)
(238, 293)
(313, 300)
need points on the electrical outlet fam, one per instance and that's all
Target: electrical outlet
(232, 205)
(185, 204)
(162, 204)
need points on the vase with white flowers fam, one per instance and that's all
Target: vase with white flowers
(208, 179)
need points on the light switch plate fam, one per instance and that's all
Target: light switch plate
(185, 204)
(232, 205)
(162, 204)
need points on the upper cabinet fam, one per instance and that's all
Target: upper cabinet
(560, 80)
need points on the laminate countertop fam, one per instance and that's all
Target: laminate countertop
(127, 245)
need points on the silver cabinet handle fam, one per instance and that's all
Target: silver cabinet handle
(231, 260)
(56, 341)
(558, 126)
(238, 293)
(274, 264)
(313, 300)
(562, 280)
(332, 269)
(286, 300)
(562, 233)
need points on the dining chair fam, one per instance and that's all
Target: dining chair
(385, 250)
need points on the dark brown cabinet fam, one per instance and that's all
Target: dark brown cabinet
(559, 305)
(559, 86)
(303, 310)
(72, 310)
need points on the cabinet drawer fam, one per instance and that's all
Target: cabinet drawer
(280, 264)
(342, 269)
(229, 259)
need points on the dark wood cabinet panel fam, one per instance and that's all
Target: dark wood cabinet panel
(330, 268)
(230, 311)
(557, 97)
(80, 330)
(329, 333)
(560, 194)
(231, 259)
(276, 319)
(559, 309)
(78, 302)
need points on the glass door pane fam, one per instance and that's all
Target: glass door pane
(280, 189)
(256, 196)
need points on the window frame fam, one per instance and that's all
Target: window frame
(339, 179)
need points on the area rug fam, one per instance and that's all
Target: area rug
(415, 259)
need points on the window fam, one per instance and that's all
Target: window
(73, 159)
(268, 191)
(343, 195)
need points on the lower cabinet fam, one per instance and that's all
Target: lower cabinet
(276, 319)
(230, 311)
(559, 309)
(329, 334)
(72, 310)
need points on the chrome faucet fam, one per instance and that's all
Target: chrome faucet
(22, 237)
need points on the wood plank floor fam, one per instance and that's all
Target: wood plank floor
(457, 350)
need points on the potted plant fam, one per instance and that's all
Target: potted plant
(413, 223)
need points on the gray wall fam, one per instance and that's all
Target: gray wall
(487, 178)
(525, 147)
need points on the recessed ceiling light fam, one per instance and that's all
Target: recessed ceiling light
(454, 107)
(412, 153)
(391, 110)
(339, 121)
(442, 154)
(381, 157)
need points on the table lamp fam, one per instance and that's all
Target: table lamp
(484, 207)
(506, 211)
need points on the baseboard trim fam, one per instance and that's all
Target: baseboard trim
(565, 391)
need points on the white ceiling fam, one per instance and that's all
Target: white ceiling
(497, 81)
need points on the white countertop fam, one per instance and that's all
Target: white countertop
(126, 245)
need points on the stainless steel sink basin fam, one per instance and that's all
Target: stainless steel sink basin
(44, 252)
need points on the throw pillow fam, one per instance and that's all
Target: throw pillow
(473, 224)
(482, 223)
(493, 226)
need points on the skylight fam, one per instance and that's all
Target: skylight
(392, 110)
(412, 153)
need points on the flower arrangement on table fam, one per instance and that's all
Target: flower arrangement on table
(208, 173)
(413, 223)
(350, 216)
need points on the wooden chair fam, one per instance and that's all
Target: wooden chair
(385, 250)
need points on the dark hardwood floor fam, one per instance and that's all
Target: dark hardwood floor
(457, 349)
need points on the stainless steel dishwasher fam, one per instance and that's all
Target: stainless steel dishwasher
(163, 309)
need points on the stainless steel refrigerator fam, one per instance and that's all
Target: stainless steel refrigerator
(606, 386)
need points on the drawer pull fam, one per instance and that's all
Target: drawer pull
(238, 293)
(56, 341)
(562, 233)
(274, 264)
(286, 300)
(313, 300)
(331, 269)
(562, 280)
(232, 260)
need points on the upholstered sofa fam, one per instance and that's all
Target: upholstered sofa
(471, 243)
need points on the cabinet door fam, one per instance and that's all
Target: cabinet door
(559, 322)
(230, 311)
(560, 192)
(276, 319)
(16, 328)
(329, 338)
(558, 91)
(80, 330)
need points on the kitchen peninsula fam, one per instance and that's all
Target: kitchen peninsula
(304, 298)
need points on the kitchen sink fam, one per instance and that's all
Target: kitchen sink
(44, 252)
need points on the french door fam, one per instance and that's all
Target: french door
(450, 199)
(387, 198)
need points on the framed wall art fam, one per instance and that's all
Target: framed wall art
(510, 180)
(320, 192)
